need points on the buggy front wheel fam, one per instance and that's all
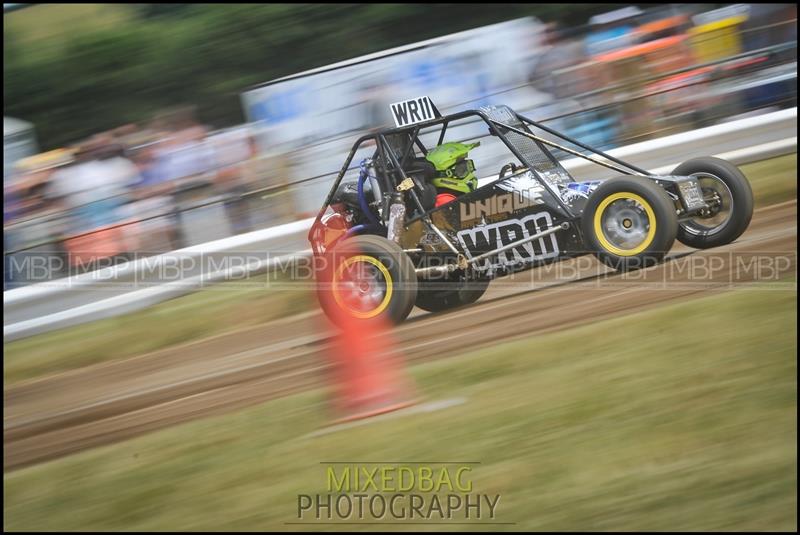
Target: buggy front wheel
(629, 223)
(730, 200)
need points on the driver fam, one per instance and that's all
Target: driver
(455, 173)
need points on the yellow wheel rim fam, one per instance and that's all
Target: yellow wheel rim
(342, 301)
(600, 232)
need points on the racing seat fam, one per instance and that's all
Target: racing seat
(418, 168)
(423, 172)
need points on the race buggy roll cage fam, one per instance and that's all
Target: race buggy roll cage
(511, 128)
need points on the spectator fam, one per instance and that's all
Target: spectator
(96, 185)
(153, 208)
(232, 152)
(186, 158)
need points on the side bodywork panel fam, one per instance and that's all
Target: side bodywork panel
(497, 214)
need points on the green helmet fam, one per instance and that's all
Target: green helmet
(453, 170)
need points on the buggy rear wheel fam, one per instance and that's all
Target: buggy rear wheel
(367, 279)
(629, 223)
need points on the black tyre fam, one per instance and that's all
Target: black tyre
(629, 223)
(436, 296)
(728, 192)
(366, 278)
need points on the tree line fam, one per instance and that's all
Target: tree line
(170, 55)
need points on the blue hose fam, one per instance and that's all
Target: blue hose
(359, 229)
(354, 230)
(362, 201)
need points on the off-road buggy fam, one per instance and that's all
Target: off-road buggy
(411, 226)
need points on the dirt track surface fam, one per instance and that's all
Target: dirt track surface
(57, 415)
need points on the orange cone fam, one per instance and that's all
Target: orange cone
(367, 370)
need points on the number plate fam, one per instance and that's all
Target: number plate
(691, 195)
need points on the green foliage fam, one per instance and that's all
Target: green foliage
(148, 11)
(73, 85)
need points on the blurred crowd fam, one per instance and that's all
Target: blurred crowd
(131, 189)
(636, 74)
(627, 76)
